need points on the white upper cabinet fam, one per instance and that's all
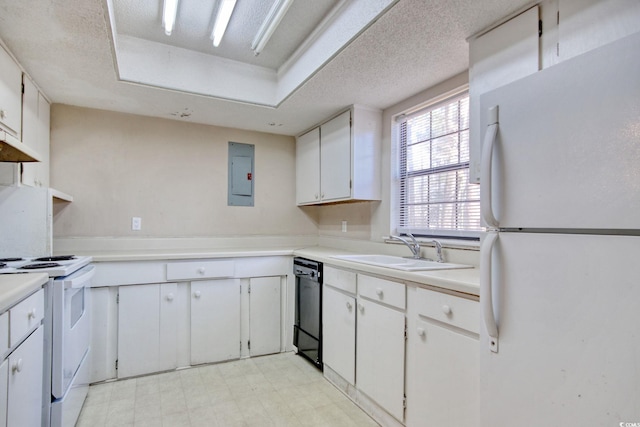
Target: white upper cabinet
(308, 167)
(35, 134)
(340, 159)
(335, 158)
(498, 57)
(10, 94)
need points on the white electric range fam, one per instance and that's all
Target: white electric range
(67, 332)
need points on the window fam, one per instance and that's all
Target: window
(436, 198)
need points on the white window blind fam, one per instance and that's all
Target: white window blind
(436, 197)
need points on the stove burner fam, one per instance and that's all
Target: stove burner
(40, 266)
(56, 258)
(11, 259)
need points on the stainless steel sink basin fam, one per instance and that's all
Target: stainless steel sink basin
(400, 263)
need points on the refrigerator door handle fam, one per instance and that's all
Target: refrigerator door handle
(486, 297)
(486, 208)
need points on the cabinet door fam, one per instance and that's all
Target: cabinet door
(442, 376)
(24, 407)
(10, 93)
(308, 167)
(147, 334)
(215, 320)
(35, 134)
(265, 309)
(335, 158)
(339, 332)
(380, 355)
(4, 384)
(505, 54)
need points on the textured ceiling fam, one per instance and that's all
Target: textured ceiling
(65, 46)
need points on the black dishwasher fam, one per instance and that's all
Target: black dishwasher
(307, 329)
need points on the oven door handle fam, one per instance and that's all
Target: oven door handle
(81, 278)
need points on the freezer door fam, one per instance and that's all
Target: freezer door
(566, 308)
(567, 151)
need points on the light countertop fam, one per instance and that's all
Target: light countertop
(159, 255)
(465, 280)
(460, 280)
(15, 287)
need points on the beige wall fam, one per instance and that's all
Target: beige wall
(171, 174)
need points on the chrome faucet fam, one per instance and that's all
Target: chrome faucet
(438, 246)
(413, 245)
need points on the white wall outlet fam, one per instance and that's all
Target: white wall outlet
(136, 223)
(344, 226)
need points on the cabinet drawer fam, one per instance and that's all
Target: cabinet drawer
(385, 291)
(450, 309)
(4, 334)
(25, 317)
(209, 269)
(340, 279)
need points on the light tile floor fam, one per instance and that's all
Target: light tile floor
(277, 390)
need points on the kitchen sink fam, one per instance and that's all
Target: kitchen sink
(400, 263)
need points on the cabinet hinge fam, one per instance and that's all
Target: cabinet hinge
(116, 364)
(22, 88)
(405, 329)
(118, 298)
(540, 28)
(249, 289)
(404, 402)
(249, 345)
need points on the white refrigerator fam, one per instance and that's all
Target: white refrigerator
(560, 265)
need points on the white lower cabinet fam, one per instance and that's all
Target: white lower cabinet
(265, 315)
(339, 332)
(380, 350)
(442, 360)
(215, 320)
(4, 391)
(24, 372)
(406, 354)
(147, 337)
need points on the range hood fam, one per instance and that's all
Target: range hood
(12, 150)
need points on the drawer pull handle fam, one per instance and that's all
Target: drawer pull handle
(197, 294)
(201, 270)
(379, 292)
(421, 332)
(17, 366)
(32, 313)
(170, 297)
(446, 309)
(361, 308)
(349, 306)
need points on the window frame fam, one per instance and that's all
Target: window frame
(471, 236)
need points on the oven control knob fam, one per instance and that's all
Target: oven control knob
(17, 366)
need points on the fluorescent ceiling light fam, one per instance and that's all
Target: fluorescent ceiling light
(268, 27)
(169, 13)
(222, 20)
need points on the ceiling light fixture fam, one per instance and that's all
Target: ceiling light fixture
(222, 20)
(169, 13)
(268, 27)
